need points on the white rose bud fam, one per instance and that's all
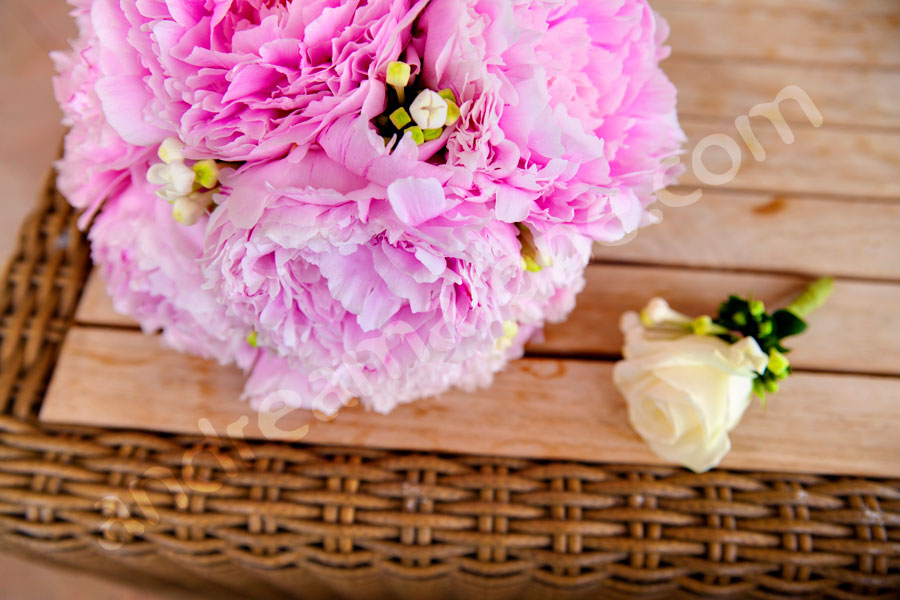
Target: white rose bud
(429, 110)
(685, 392)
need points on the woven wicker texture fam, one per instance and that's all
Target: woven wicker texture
(276, 520)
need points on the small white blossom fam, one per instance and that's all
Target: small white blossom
(187, 210)
(170, 150)
(658, 312)
(429, 110)
(175, 179)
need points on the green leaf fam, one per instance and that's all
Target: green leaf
(787, 323)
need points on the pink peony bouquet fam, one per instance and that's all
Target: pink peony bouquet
(359, 199)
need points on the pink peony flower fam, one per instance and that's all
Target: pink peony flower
(152, 271)
(565, 115)
(97, 160)
(380, 236)
(390, 293)
(245, 79)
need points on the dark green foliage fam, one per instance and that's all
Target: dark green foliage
(742, 318)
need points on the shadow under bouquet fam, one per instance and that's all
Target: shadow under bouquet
(373, 200)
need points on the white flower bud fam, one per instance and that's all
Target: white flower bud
(429, 110)
(510, 331)
(170, 150)
(658, 312)
(176, 179)
(187, 210)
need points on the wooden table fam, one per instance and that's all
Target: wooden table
(529, 488)
(824, 204)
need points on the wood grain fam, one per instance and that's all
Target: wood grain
(826, 161)
(856, 331)
(748, 31)
(780, 232)
(859, 96)
(869, 7)
(548, 408)
(96, 307)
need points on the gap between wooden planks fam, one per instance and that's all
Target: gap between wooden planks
(746, 30)
(771, 232)
(828, 161)
(544, 408)
(875, 7)
(851, 97)
(856, 331)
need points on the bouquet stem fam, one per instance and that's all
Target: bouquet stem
(812, 297)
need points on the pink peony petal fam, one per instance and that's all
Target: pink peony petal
(417, 200)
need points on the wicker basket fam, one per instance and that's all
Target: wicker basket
(276, 520)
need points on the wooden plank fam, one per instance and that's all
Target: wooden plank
(96, 307)
(554, 409)
(861, 96)
(778, 232)
(823, 161)
(748, 31)
(871, 7)
(857, 331)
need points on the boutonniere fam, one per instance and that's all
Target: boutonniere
(688, 381)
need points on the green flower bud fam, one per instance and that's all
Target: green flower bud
(778, 363)
(432, 134)
(701, 325)
(206, 173)
(452, 113)
(397, 77)
(418, 135)
(400, 118)
(397, 74)
(765, 328)
(448, 95)
(251, 339)
(757, 308)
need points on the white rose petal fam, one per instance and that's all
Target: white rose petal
(685, 392)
